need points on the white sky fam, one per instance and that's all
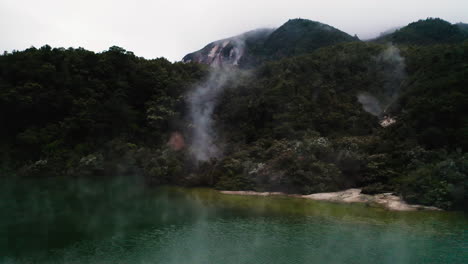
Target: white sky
(173, 28)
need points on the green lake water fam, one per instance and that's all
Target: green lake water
(124, 221)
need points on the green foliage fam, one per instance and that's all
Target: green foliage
(234, 182)
(427, 32)
(435, 97)
(463, 27)
(294, 125)
(316, 92)
(301, 36)
(442, 183)
(295, 37)
(281, 112)
(54, 102)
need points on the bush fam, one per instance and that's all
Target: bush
(443, 184)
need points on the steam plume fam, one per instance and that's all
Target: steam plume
(391, 67)
(202, 101)
(370, 104)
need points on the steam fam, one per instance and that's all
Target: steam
(115, 221)
(391, 69)
(370, 104)
(202, 102)
(224, 57)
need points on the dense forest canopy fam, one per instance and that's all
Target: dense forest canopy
(427, 32)
(313, 117)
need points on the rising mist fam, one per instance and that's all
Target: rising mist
(391, 66)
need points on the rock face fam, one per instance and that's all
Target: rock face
(295, 37)
(387, 121)
(228, 51)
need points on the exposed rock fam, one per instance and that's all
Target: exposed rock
(386, 200)
(295, 37)
(227, 52)
(387, 121)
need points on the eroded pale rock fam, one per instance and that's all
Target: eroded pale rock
(386, 200)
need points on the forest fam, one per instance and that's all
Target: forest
(387, 115)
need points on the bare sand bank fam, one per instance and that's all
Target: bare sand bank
(386, 200)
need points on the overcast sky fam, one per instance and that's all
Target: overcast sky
(173, 28)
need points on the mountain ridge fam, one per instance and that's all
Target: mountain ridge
(301, 36)
(303, 123)
(426, 32)
(295, 37)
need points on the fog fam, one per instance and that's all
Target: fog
(119, 220)
(202, 101)
(172, 29)
(203, 97)
(393, 73)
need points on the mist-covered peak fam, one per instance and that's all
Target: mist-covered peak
(295, 37)
(426, 32)
(300, 36)
(299, 25)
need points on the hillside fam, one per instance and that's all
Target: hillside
(301, 36)
(463, 27)
(230, 51)
(295, 37)
(340, 114)
(427, 32)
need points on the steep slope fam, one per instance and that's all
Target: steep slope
(300, 124)
(229, 51)
(426, 32)
(295, 37)
(302, 127)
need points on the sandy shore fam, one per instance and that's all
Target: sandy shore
(386, 200)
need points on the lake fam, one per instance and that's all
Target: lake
(122, 220)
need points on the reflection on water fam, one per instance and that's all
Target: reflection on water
(122, 221)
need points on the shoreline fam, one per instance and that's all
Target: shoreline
(388, 201)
